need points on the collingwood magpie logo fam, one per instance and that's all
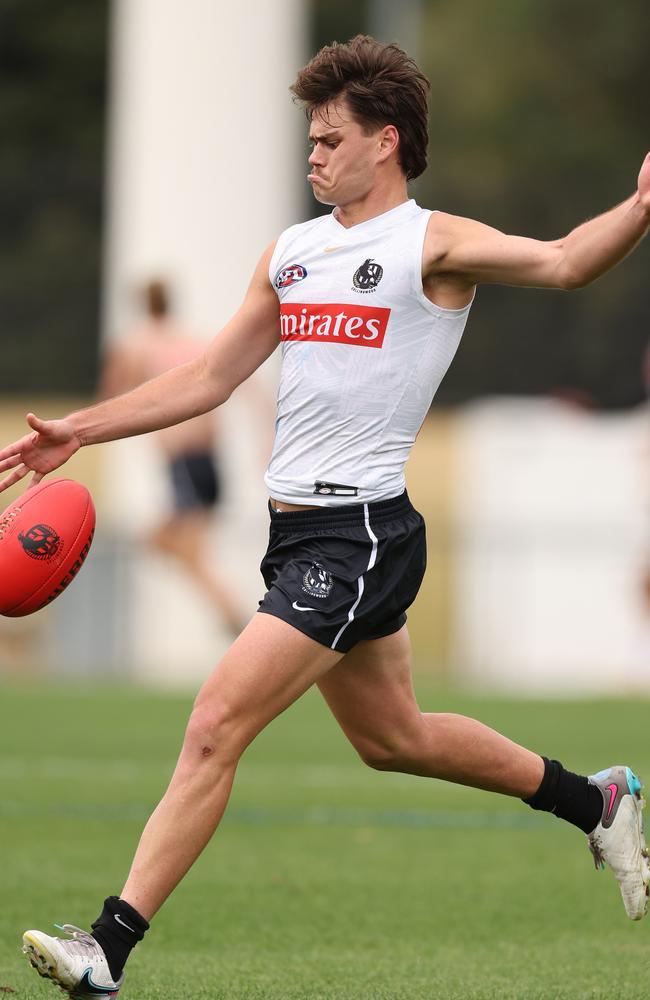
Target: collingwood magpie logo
(40, 542)
(317, 582)
(367, 277)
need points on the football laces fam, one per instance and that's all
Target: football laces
(7, 521)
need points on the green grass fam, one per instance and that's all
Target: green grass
(326, 880)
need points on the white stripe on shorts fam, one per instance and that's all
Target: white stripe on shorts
(360, 584)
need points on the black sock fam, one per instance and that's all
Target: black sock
(117, 930)
(569, 796)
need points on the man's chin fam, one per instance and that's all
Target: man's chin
(324, 197)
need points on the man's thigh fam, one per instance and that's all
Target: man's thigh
(264, 671)
(370, 692)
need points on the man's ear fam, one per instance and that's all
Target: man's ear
(388, 141)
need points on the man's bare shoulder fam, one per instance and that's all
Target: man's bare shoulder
(453, 243)
(445, 229)
(442, 284)
(443, 232)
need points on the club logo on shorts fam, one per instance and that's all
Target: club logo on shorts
(289, 275)
(317, 582)
(367, 277)
(40, 542)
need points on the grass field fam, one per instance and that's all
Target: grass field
(326, 880)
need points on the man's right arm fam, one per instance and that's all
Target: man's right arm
(246, 341)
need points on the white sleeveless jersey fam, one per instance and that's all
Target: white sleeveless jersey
(363, 352)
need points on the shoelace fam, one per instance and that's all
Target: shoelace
(81, 941)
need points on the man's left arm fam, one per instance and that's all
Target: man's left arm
(477, 253)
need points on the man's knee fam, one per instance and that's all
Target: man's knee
(216, 732)
(385, 755)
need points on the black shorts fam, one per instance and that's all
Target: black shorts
(194, 481)
(345, 574)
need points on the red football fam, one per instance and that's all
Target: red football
(45, 536)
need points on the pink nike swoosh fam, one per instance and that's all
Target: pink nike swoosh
(613, 792)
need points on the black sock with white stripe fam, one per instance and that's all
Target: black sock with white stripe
(117, 930)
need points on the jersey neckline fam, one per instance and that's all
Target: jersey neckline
(377, 222)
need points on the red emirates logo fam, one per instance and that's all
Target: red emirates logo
(333, 323)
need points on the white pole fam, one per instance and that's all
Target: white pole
(205, 147)
(206, 167)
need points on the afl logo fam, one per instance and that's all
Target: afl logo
(317, 582)
(367, 277)
(40, 542)
(289, 275)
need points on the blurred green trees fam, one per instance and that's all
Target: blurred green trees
(52, 105)
(538, 120)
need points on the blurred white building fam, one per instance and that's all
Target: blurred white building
(553, 538)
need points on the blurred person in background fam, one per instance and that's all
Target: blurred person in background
(189, 449)
(370, 303)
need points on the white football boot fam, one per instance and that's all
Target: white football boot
(618, 839)
(77, 965)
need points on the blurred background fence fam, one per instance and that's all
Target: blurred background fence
(143, 137)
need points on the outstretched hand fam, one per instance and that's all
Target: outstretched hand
(49, 445)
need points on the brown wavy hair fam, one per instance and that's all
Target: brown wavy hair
(381, 84)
